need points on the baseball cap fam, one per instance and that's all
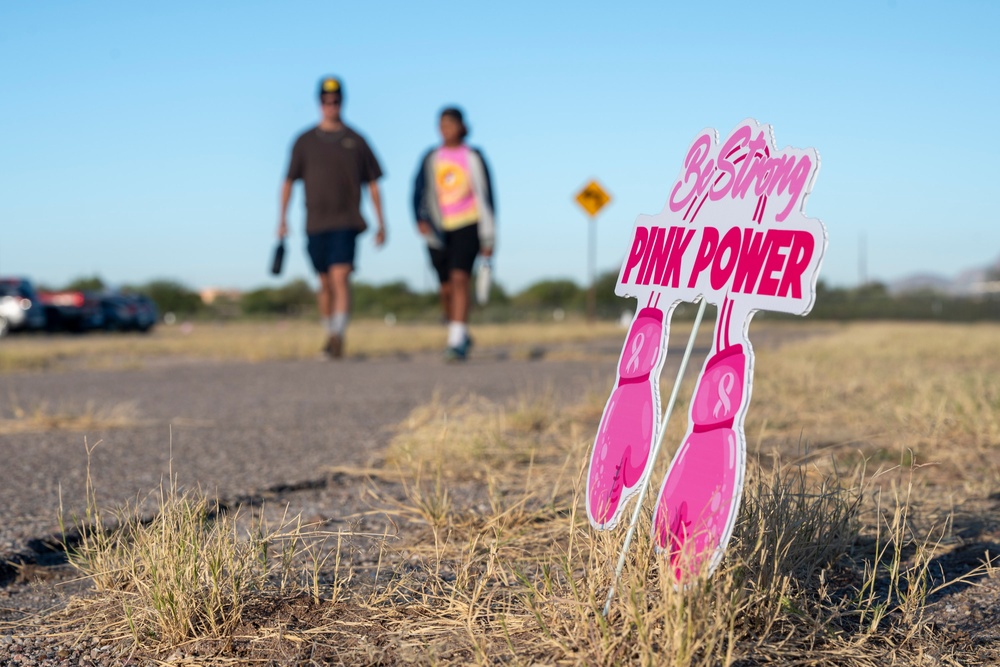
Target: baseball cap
(330, 84)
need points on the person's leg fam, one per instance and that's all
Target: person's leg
(324, 297)
(439, 262)
(325, 300)
(341, 266)
(339, 280)
(446, 300)
(458, 317)
(462, 256)
(318, 248)
(459, 281)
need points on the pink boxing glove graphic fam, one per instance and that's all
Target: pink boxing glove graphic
(697, 505)
(620, 458)
(696, 510)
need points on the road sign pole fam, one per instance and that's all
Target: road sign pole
(591, 264)
(592, 198)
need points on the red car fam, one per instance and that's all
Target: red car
(72, 311)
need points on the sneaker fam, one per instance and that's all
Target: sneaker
(334, 347)
(458, 353)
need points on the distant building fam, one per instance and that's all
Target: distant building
(210, 294)
(986, 287)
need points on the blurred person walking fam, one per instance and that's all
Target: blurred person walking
(455, 214)
(334, 162)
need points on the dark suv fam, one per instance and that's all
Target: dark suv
(146, 313)
(128, 312)
(119, 312)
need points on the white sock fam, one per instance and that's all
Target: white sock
(456, 333)
(327, 324)
(338, 323)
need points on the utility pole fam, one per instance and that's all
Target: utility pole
(862, 260)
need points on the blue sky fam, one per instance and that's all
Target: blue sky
(141, 141)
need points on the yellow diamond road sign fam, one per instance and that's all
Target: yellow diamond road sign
(592, 198)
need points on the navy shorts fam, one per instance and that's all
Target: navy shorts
(459, 252)
(332, 247)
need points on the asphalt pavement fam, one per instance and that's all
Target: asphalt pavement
(235, 428)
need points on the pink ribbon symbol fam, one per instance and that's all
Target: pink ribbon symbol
(637, 343)
(726, 384)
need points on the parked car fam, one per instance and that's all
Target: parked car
(128, 312)
(119, 312)
(147, 313)
(72, 311)
(20, 307)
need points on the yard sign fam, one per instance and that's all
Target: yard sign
(733, 232)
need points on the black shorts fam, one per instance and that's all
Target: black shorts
(332, 247)
(459, 252)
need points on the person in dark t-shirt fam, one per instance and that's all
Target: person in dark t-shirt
(333, 162)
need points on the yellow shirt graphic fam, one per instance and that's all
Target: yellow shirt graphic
(456, 199)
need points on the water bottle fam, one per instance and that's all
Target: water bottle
(279, 258)
(484, 279)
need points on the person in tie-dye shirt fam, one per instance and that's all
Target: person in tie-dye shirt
(454, 209)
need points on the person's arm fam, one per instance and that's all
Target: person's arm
(373, 192)
(286, 196)
(420, 213)
(489, 184)
(294, 173)
(488, 251)
(371, 171)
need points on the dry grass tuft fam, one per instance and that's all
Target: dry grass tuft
(193, 572)
(522, 577)
(86, 417)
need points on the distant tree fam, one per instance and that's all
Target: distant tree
(297, 296)
(498, 295)
(223, 307)
(258, 302)
(872, 290)
(550, 294)
(363, 297)
(395, 297)
(292, 299)
(609, 304)
(91, 284)
(172, 297)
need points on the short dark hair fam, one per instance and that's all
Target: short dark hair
(456, 114)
